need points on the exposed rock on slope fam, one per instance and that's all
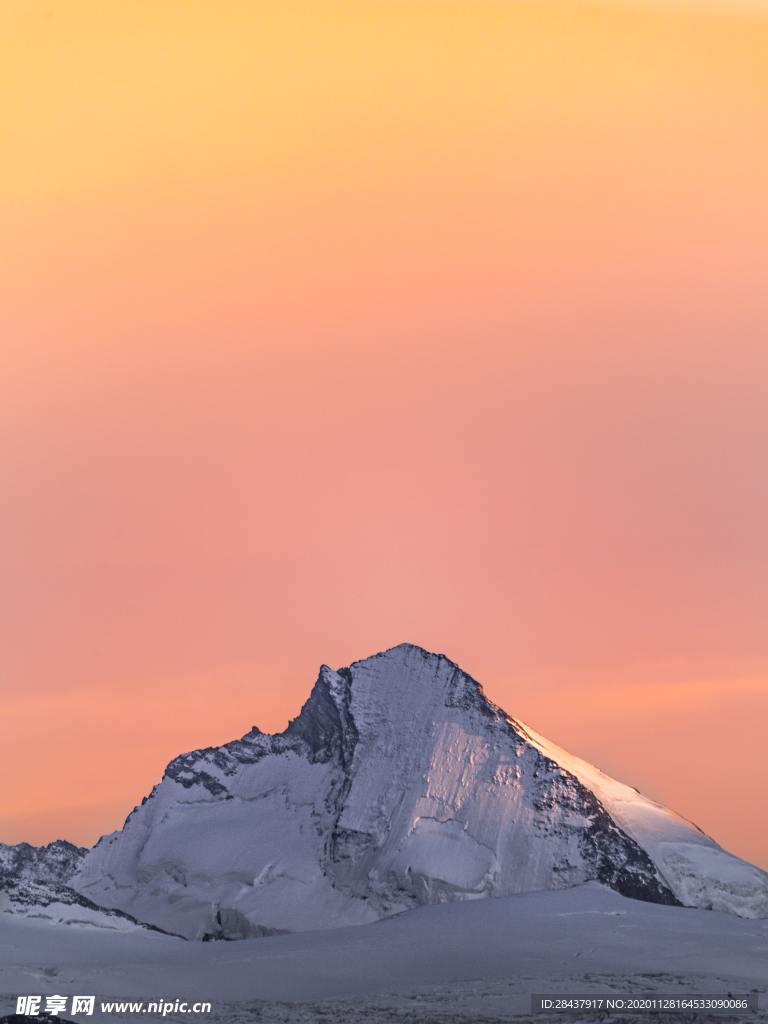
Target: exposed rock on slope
(33, 885)
(56, 862)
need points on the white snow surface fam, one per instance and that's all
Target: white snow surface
(63, 912)
(399, 784)
(456, 962)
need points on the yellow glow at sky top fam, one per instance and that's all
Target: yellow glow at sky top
(105, 98)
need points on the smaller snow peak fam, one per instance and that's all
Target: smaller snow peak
(55, 862)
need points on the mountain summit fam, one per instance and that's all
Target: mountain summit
(398, 784)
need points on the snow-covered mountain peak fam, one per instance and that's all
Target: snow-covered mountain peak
(407, 662)
(56, 862)
(408, 681)
(398, 783)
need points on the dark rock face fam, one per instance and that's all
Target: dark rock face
(184, 770)
(195, 768)
(617, 860)
(325, 723)
(620, 862)
(228, 925)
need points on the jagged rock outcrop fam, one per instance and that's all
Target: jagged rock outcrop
(56, 862)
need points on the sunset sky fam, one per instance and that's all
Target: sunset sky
(327, 325)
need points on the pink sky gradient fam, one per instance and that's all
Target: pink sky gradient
(327, 330)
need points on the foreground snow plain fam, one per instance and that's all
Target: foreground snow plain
(474, 961)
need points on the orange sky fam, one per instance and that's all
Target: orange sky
(328, 325)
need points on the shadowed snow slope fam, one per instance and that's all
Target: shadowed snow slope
(399, 784)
